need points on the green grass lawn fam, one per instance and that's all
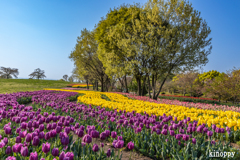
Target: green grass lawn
(18, 85)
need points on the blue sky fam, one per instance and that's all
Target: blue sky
(42, 34)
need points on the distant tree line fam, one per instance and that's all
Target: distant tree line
(223, 86)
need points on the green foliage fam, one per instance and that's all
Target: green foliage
(74, 98)
(103, 96)
(210, 75)
(24, 100)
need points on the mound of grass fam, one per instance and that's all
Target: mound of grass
(18, 85)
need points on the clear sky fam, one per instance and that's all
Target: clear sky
(42, 33)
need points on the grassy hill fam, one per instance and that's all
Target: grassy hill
(17, 85)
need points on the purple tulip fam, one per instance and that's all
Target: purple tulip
(178, 136)
(24, 151)
(172, 133)
(194, 140)
(9, 150)
(54, 125)
(94, 134)
(79, 132)
(130, 145)
(120, 138)
(213, 142)
(95, 148)
(41, 127)
(47, 136)
(5, 140)
(185, 137)
(209, 133)
(213, 126)
(33, 156)
(87, 138)
(102, 145)
(46, 147)
(49, 126)
(65, 140)
(29, 137)
(113, 134)
(23, 125)
(58, 129)
(103, 136)
(41, 135)
(108, 153)
(55, 152)
(36, 141)
(53, 133)
(164, 132)
(62, 155)
(70, 155)
(18, 139)
(119, 144)
(22, 134)
(179, 143)
(139, 129)
(10, 158)
(8, 130)
(67, 130)
(29, 125)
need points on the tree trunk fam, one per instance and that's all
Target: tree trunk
(155, 96)
(144, 79)
(125, 77)
(149, 94)
(97, 85)
(93, 85)
(87, 84)
(153, 86)
(102, 84)
(139, 85)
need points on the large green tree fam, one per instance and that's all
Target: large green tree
(86, 59)
(156, 40)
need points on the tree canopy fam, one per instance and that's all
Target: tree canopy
(153, 40)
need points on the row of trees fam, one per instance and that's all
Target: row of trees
(149, 43)
(221, 86)
(8, 73)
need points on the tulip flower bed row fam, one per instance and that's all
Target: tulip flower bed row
(185, 99)
(221, 119)
(79, 85)
(211, 99)
(46, 130)
(181, 103)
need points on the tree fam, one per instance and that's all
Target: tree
(38, 74)
(70, 79)
(226, 86)
(65, 77)
(8, 73)
(185, 81)
(210, 75)
(86, 59)
(154, 41)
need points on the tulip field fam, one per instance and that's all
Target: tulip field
(52, 126)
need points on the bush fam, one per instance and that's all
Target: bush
(24, 100)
